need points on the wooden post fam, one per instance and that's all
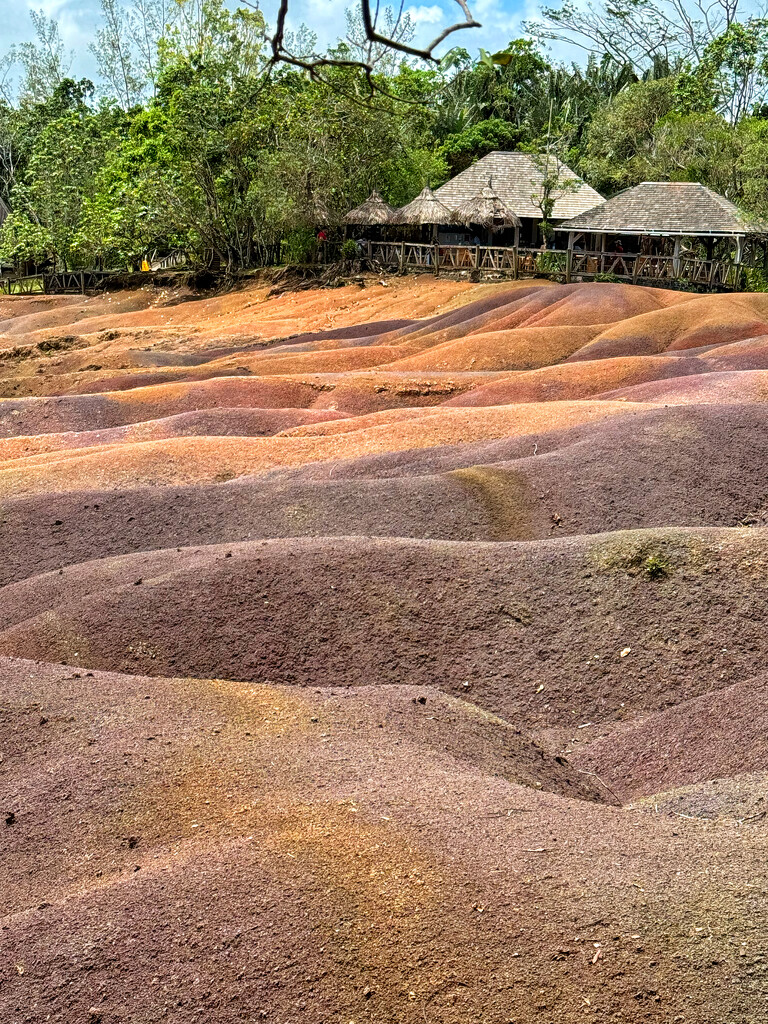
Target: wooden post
(569, 258)
(82, 282)
(402, 256)
(514, 263)
(676, 259)
(477, 257)
(437, 258)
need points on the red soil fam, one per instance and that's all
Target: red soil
(465, 589)
(674, 748)
(741, 386)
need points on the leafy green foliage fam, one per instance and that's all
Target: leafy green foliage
(197, 143)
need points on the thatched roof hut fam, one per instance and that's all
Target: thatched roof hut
(374, 211)
(487, 210)
(666, 208)
(426, 208)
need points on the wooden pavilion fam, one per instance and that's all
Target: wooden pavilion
(517, 179)
(668, 218)
(373, 213)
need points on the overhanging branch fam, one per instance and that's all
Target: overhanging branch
(314, 64)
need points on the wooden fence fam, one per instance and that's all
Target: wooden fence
(559, 263)
(62, 282)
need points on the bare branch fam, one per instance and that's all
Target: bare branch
(394, 41)
(428, 52)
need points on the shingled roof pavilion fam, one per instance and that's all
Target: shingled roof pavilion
(668, 209)
(516, 178)
(684, 208)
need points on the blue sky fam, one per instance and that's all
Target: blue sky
(77, 18)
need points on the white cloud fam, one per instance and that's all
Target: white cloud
(423, 15)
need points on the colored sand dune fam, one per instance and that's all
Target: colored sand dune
(389, 654)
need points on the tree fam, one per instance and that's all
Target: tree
(732, 76)
(396, 25)
(59, 175)
(475, 141)
(148, 21)
(619, 141)
(640, 33)
(696, 147)
(752, 165)
(115, 60)
(45, 62)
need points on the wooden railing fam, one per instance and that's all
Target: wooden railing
(557, 263)
(26, 284)
(60, 282)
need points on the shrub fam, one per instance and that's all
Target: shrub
(550, 262)
(300, 246)
(349, 250)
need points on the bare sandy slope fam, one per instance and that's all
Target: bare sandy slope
(384, 654)
(205, 848)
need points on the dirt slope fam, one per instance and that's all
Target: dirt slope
(388, 653)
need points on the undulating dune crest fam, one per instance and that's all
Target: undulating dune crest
(702, 321)
(197, 459)
(731, 386)
(237, 422)
(486, 619)
(687, 466)
(384, 653)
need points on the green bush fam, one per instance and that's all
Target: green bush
(300, 246)
(349, 250)
(550, 262)
(755, 279)
(656, 566)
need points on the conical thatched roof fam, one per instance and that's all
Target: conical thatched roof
(682, 208)
(486, 209)
(426, 208)
(373, 211)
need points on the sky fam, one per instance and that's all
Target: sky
(501, 21)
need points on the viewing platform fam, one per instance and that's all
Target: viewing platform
(558, 264)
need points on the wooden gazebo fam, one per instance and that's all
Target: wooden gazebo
(673, 210)
(374, 212)
(425, 209)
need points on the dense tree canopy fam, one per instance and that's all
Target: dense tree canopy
(195, 138)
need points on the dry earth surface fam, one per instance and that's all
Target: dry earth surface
(390, 654)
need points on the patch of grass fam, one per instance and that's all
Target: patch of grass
(636, 557)
(657, 566)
